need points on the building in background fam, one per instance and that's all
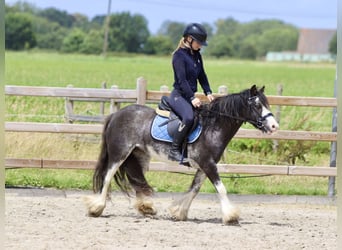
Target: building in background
(313, 46)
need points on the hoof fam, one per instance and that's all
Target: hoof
(145, 208)
(177, 214)
(232, 223)
(232, 218)
(94, 205)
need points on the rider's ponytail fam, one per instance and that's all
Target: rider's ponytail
(182, 44)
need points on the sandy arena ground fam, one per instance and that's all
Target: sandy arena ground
(55, 219)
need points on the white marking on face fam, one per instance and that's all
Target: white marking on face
(272, 124)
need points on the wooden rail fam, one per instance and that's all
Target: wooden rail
(151, 96)
(142, 96)
(161, 166)
(97, 129)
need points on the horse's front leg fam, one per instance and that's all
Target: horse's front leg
(179, 208)
(230, 214)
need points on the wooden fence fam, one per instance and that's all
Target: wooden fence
(142, 96)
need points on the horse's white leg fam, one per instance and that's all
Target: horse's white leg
(230, 214)
(180, 208)
(97, 203)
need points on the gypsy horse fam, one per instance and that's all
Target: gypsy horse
(127, 147)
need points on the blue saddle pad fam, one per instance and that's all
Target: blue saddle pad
(161, 134)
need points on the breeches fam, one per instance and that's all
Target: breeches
(182, 108)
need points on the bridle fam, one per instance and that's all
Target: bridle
(259, 123)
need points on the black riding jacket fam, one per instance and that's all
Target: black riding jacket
(188, 68)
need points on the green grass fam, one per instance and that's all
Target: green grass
(173, 182)
(52, 69)
(60, 70)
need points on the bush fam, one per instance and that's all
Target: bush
(72, 43)
(19, 34)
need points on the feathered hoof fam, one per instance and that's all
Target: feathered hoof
(232, 218)
(145, 208)
(177, 214)
(94, 205)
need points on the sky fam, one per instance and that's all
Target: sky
(301, 13)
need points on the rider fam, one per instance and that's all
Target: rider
(188, 69)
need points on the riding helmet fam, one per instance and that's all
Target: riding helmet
(197, 32)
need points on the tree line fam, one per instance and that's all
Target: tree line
(27, 27)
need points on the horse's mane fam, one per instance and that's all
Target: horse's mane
(227, 107)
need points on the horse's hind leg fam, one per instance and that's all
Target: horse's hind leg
(134, 168)
(96, 204)
(179, 208)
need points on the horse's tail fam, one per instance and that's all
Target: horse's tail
(102, 162)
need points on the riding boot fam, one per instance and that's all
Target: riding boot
(176, 146)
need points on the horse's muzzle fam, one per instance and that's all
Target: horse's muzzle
(268, 124)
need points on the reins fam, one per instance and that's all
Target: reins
(258, 123)
(222, 114)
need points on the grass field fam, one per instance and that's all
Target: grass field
(59, 70)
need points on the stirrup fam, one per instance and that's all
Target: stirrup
(178, 157)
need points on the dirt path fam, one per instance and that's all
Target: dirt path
(53, 219)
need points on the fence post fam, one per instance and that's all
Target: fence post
(141, 91)
(279, 93)
(69, 107)
(277, 115)
(223, 90)
(333, 149)
(164, 88)
(102, 104)
(114, 105)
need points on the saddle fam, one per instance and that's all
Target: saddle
(166, 122)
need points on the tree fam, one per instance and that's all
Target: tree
(227, 38)
(278, 39)
(159, 45)
(98, 21)
(253, 39)
(247, 48)
(49, 35)
(220, 46)
(22, 7)
(127, 33)
(227, 27)
(92, 43)
(73, 41)
(333, 45)
(172, 30)
(80, 21)
(18, 32)
(60, 17)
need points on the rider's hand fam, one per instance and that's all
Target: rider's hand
(196, 102)
(210, 97)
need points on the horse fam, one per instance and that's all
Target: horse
(127, 147)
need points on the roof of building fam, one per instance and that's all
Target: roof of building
(314, 41)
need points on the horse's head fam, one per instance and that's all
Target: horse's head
(260, 115)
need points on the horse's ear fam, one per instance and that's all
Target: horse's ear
(253, 90)
(262, 89)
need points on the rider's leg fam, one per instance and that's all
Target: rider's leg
(177, 141)
(184, 110)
